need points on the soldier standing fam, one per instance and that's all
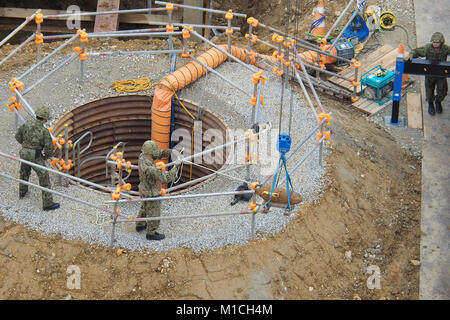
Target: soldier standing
(36, 147)
(151, 179)
(435, 51)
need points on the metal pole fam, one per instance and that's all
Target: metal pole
(218, 214)
(18, 48)
(308, 98)
(67, 42)
(286, 34)
(97, 13)
(27, 20)
(25, 103)
(56, 172)
(62, 36)
(338, 19)
(291, 105)
(218, 147)
(302, 160)
(201, 9)
(133, 52)
(38, 48)
(343, 29)
(325, 53)
(54, 192)
(220, 76)
(189, 183)
(184, 196)
(297, 147)
(64, 63)
(142, 34)
(113, 231)
(223, 51)
(319, 103)
(66, 149)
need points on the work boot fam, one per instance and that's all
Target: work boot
(155, 236)
(431, 108)
(140, 228)
(53, 206)
(22, 195)
(438, 106)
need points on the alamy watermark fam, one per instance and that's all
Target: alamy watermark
(74, 21)
(374, 281)
(74, 278)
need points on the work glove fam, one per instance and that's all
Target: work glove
(177, 162)
(408, 57)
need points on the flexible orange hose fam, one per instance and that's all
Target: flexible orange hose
(177, 80)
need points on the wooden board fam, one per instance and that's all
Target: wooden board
(384, 56)
(107, 22)
(414, 108)
(371, 107)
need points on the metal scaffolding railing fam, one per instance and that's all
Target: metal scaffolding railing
(159, 32)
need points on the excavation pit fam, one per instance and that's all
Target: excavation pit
(127, 120)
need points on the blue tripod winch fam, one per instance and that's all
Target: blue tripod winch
(283, 146)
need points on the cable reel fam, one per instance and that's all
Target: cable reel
(387, 20)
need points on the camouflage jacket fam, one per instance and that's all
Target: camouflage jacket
(152, 177)
(33, 135)
(431, 53)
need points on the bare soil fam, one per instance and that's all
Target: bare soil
(370, 207)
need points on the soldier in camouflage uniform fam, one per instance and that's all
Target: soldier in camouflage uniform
(36, 147)
(437, 51)
(151, 179)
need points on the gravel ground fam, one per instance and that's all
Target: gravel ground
(63, 92)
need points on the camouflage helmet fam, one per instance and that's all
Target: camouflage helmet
(43, 112)
(150, 147)
(437, 37)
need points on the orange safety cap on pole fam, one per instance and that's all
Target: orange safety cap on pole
(229, 15)
(39, 18)
(356, 64)
(83, 37)
(83, 56)
(39, 38)
(169, 7)
(169, 28)
(77, 49)
(229, 31)
(186, 33)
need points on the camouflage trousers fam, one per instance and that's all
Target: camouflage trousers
(149, 209)
(432, 83)
(44, 179)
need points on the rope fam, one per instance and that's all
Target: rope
(131, 85)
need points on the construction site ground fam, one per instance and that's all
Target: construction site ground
(369, 214)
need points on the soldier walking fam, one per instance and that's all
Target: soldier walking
(437, 50)
(151, 178)
(36, 147)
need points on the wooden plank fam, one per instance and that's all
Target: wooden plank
(107, 22)
(414, 108)
(349, 71)
(387, 60)
(374, 56)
